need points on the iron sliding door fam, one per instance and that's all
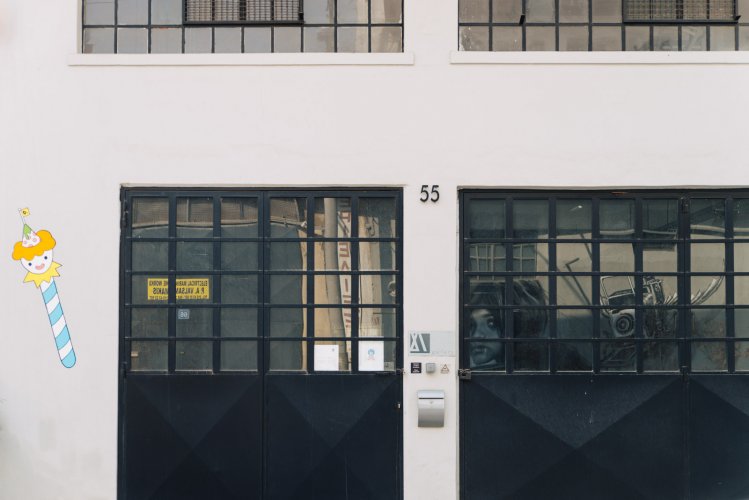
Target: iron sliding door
(260, 345)
(605, 345)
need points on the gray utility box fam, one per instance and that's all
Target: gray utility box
(431, 408)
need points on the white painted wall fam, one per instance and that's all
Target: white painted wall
(71, 135)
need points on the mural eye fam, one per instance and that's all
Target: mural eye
(29, 264)
(45, 257)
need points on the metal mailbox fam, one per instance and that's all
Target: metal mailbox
(431, 408)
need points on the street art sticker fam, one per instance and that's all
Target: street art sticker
(35, 253)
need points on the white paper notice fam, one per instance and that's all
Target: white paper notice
(326, 358)
(371, 356)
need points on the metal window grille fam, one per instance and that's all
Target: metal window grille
(680, 11)
(242, 11)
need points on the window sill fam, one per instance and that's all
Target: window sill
(465, 57)
(277, 59)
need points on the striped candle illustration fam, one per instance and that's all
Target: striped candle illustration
(34, 251)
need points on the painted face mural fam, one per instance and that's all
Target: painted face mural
(483, 325)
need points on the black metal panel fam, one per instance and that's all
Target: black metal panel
(190, 437)
(572, 436)
(719, 437)
(333, 437)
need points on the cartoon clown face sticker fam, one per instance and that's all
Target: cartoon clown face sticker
(39, 264)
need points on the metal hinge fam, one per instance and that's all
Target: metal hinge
(464, 374)
(123, 369)
(685, 205)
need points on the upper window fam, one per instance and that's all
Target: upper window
(602, 25)
(235, 26)
(605, 282)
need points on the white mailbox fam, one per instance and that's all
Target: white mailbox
(431, 408)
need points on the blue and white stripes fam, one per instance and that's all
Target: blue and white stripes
(57, 320)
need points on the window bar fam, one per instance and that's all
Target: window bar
(309, 310)
(730, 287)
(264, 225)
(639, 282)
(552, 311)
(216, 284)
(684, 301)
(509, 347)
(596, 284)
(399, 279)
(355, 285)
(172, 284)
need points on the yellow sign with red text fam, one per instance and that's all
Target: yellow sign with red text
(187, 289)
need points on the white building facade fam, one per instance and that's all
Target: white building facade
(388, 105)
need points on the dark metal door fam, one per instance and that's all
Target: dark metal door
(226, 296)
(603, 345)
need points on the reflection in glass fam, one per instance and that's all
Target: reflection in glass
(618, 356)
(194, 355)
(709, 356)
(238, 355)
(378, 289)
(574, 356)
(707, 257)
(377, 218)
(239, 322)
(708, 290)
(617, 218)
(150, 217)
(741, 290)
(239, 256)
(288, 217)
(333, 289)
(618, 317)
(617, 257)
(288, 322)
(660, 356)
(150, 256)
(287, 356)
(707, 218)
(194, 256)
(708, 322)
(741, 217)
(385, 11)
(660, 323)
(741, 257)
(335, 255)
(377, 256)
(574, 291)
(574, 257)
(148, 322)
(238, 217)
(659, 257)
(239, 289)
(287, 288)
(473, 11)
(333, 322)
(288, 256)
(574, 323)
(507, 11)
(333, 217)
(491, 257)
(530, 257)
(486, 219)
(352, 39)
(195, 322)
(741, 354)
(659, 219)
(574, 218)
(530, 219)
(148, 356)
(377, 322)
(530, 356)
(194, 217)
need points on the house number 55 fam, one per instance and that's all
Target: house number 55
(433, 195)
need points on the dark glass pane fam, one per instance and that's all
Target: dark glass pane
(487, 291)
(530, 356)
(378, 289)
(150, 256)
(486, 353)
(150, 218)
(239, 256)
(530, 219)
(741, 257)
(238, 355)
(540, 11)
(333, 289)
(741, 290)
(708, 257)
(707, 218)
(709, 356)
(530, 290)
(148, 356)
(194, 217)
(98, 41)
(741, 216)
(473, 11)
(660, 323)
(474, 38)
(617, 218)
(573, 38)
(333, 217)
(287, 356)
(166, 12)
(288, 256)
(195, 322)
(149, 322)
(660, 257)
(377, 256)
(530, 257)
(385, 11)
(491, 257)
(507, 11)
(574, 291)
(660, 356)
(239, 322)
(708, 290)
(194, 355)
(239, 289)
(288, 289)
(288, 217)
(574, 323)
(574, 257)
(574, 219)
(377, 218)
(194, 256)
(387, 39)
(574, 356)
(708, 322)
(660, 219)
(618, 356)
(239, 217)
(486, 219)
(741, 322)
(377, 322)
(288, 322)
(333, 322)
(573, 11)
(98, 12)
(617, 257)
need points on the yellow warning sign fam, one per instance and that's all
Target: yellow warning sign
(187, 289)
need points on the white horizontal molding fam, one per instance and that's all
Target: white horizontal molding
(468, 57)
(275, 59)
